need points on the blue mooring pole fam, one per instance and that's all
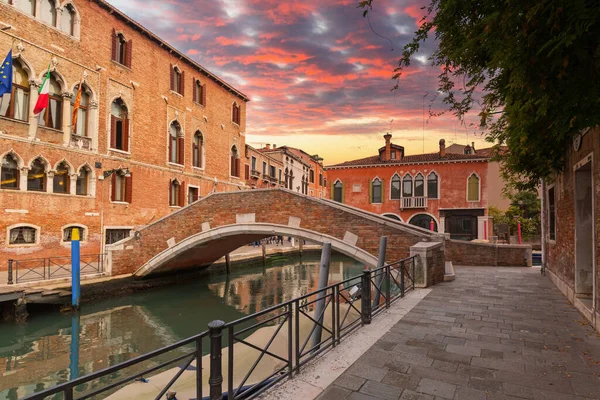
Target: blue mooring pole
(75, 269)
(74, 359)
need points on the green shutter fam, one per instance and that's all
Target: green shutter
(382, 190)
(371, 192)
(332, 192)
(343, 192)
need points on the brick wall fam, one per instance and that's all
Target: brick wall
(484, 254)
(145, 87)
(561, 252)
(272, 206)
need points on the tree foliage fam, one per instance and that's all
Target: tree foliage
(529, 67)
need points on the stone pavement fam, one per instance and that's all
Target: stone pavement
(493, 333)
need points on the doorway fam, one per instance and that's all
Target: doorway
(584, 231)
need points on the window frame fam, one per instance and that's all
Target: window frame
(66, 178)
(235, 113)
(189, 189)
(437, 184)
(17, 178)
(410, 179)
(45, 178)
(10, 228)
(474, 174)
(83, 233)
(380, 186)
(551, 213)
(58, 98)
(10, 111)
(392, 187)
(341, 191)
(422, 179)
(83, 108)
(197, 150)
(125, 127)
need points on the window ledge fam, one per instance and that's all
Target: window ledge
(119, 202)
(125, 67)
(199, 104)
(22, 245)
(50, 129)
(173, 164)
(176, 93)
(473, 201)
(119, 151)
(198, 169)
(14, 120)
(176, 207)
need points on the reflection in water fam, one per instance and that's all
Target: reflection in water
(37, 355)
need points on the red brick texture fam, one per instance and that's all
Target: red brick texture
(560, 253)
(152, 106)
(487, 255)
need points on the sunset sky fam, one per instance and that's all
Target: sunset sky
(318, 77)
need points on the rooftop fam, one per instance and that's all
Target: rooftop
(417, 158)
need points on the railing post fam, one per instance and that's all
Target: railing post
(365, 297)
(297, 334)
(215, 380)
(290, 321)
(412, 261)
(321, 296)
(10, 272)
(379, 274)
(199, 368)
(388, 289)
(402, 279)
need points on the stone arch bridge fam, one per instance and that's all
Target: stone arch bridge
(203, 232)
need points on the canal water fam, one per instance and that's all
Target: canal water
(37, 355)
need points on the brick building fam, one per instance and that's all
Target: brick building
(154, 132)
(571, 226)
(262, 171)
(446, 191)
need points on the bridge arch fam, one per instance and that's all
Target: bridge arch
(229, 237)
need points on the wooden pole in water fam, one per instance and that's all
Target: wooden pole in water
(227, 263)
(379, 278)
(264, 253)
(320, 304)
(300, 244)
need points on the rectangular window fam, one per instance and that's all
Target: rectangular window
(273, 173)
(264, 170)
(22, 235)
(393, 155)
(312, 176)
(551, 214)
(320, 179)
(376, 193)
(192, 194)
(407, 187)
(119, 188)
(253, 163)
(116, 235)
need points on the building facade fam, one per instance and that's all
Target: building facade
(441, 191)
(571, 226)
(154, 132)
(261, 170)
(295, 169)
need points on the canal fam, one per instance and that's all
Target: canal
(37, 355)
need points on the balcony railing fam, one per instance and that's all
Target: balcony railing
(255, 174)
(81, 142)
(413, 202)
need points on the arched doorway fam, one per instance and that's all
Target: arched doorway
(424, 221)
(393, 216)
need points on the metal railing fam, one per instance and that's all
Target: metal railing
(304, 335)
(413, 202)
(41, 269)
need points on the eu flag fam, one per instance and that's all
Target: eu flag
(6, 71)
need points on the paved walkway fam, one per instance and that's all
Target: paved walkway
(493, 333)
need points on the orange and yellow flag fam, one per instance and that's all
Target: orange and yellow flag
(76, 106)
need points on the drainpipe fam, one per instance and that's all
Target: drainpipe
(543, 222)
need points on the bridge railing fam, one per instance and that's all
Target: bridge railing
(247, 356)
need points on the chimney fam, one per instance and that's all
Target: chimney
(388, 147)
(274, 146)
(268, 146)
(442, 148)
(473, 147)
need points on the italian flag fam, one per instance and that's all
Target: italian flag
(42, 102)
